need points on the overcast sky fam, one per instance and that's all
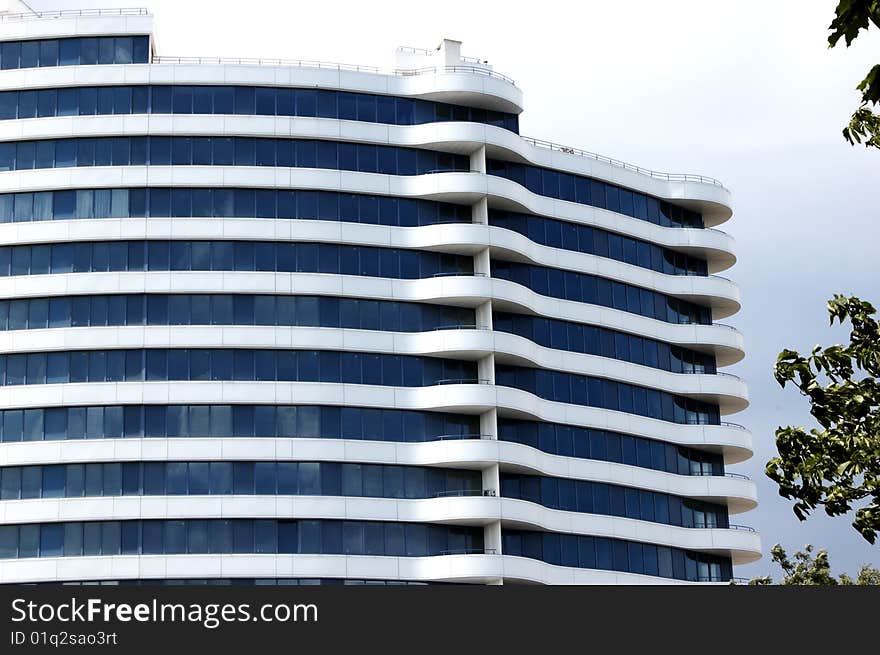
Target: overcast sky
(745, 91)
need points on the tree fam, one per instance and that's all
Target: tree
(808, 569)
(851, 17)
(839, 464)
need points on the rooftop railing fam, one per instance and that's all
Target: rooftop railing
(416, 51)
(258, 61)
(329, 65)
(479, 70)
(672, 177)
(74, 13)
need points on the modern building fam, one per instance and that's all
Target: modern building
(296, 322)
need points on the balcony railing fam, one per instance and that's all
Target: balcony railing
(671, 177)
(470, 551)
(74, 13)
(461, 493)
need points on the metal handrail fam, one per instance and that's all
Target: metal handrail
(459, 326)
(470, 551)
(308, 63)
(672, 177)
(738, 476)
(260, 61)
(459, 493)
(729, 424)
(712, 229)
(446, 170)
(725, 325)
(479, 70)
(464, 381)
(728, 375)
(744, 528)
(460, 274)
(450, 437)
(64, 13)
(416, 51)
(431, 52)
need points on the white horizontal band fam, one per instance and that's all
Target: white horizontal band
(733, 442)
(445, 568)
(739, 493)
(719, 293)
(467, 291)
(712, 200)
(729, 392)
(477, 510)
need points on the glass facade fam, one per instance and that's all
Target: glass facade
(619, 555)
(595, 290)
(596, 241)
(234, 477)
(245, 100)
(242, 536)
(75, 51)
(226, 151)
(589, 191)
(225, 202)
(268, 256)
(613, 500)
(230, 309)
(606, 394)
(129, 219)
(608, 446)
(239, 364)
(593, 340)
(225, 421)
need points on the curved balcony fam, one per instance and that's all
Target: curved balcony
(742, 545)
(733, 442)
(461, 290)
(466, 453)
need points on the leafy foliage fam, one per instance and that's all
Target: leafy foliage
(864, 125)
(851, 17)
(839, 464)
(807, 569)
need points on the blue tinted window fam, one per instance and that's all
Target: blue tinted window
(607, 196)
(624, 297)
(240, 420)
(161, 150)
